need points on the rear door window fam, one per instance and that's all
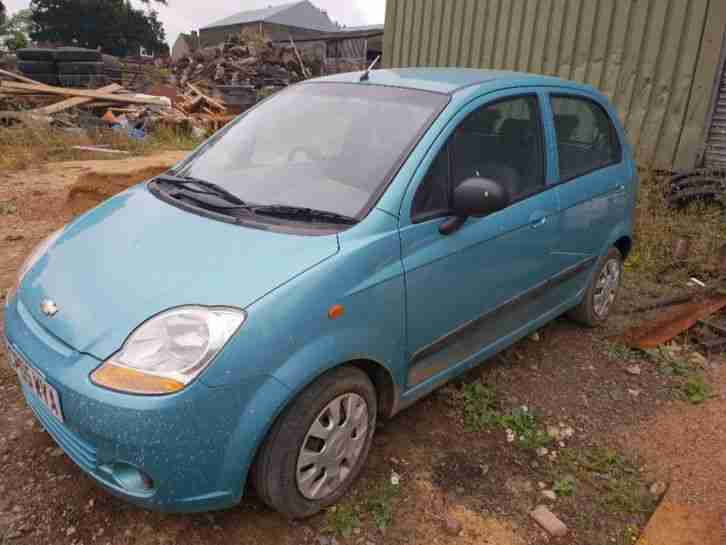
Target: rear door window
(586, 137)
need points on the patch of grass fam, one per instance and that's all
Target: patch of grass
(480, 406)
(564, 487)
(628, 536)
(23, 147)
(342, 519)
(691, 385)
(527, 428)
(619, 352)
(614, 481)
(670, 361)
(8, 208)
(695, 389)
(481, 410)
(657, 226)
(380, 504)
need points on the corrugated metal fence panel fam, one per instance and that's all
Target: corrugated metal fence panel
(653, 58)
(716, 144)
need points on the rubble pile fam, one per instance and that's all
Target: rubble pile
(255, 63)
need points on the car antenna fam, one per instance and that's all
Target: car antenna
(367, 74)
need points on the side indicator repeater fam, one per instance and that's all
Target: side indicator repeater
(336, 311)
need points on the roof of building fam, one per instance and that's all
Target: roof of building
(450, 80)
(364, 28)
(301, 14)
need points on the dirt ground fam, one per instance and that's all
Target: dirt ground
(454, 485)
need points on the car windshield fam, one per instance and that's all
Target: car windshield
(323, 146)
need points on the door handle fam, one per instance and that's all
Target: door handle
(537, 219)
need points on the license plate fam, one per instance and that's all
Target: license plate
(36, 383)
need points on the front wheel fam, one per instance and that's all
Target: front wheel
(602, 292)
(318, 445)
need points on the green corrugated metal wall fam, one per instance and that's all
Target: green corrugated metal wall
(656, 59)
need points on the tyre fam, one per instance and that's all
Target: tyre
(37, 67)
(80, 68)
(77, 54)
(602, 291)
(39, 54)
(317, 447)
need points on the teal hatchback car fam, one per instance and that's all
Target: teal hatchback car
(331, 256)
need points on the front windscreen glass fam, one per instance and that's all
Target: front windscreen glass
(324, 146)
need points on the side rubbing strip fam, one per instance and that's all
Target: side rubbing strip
(472, 336)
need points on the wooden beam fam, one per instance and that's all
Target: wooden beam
(87, 93)
(20, 78)
(206, 98)
(76, 101)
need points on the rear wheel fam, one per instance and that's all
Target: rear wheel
(602, 292)
(318, 445)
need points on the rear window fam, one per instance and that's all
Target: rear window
(586, 138)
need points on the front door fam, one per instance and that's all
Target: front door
(476, 287)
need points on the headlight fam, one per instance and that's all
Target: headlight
(38, 252)
(168, 351)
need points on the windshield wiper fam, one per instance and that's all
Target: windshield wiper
(304, 214)
(210, 188)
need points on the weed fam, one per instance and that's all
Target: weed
(481, 410)
(380, 505)
(670, 362)
(616, 480)
(342, 519)
(695, 389)
(8, 208)
(526, 427)
(564, 487)
(619, 352)
(480, 406)
(628, 536)
(657, 226)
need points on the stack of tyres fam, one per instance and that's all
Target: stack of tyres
(39, 65)
(68, 66)
(78, 67)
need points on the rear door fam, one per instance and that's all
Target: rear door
(472, 289)
(592, 176)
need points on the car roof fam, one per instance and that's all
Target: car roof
(451, 80)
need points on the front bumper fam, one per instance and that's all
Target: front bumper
(196, 445)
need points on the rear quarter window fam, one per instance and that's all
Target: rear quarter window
(586, 137)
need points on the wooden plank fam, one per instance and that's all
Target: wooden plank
(20, 78)
(76, 101)
(50, 90)
(206, 98)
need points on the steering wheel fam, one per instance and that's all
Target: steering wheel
(310, 152)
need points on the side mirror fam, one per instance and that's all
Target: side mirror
(476, 197)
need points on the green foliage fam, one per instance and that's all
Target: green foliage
(528, 431)
(3, 13)
(480, 406)
(17, 41)
(618, 484)
(113, 25)
(8, 208)
(696, 390)
(380, 505)
(342, 520)
(481, 410)
(564, 487)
